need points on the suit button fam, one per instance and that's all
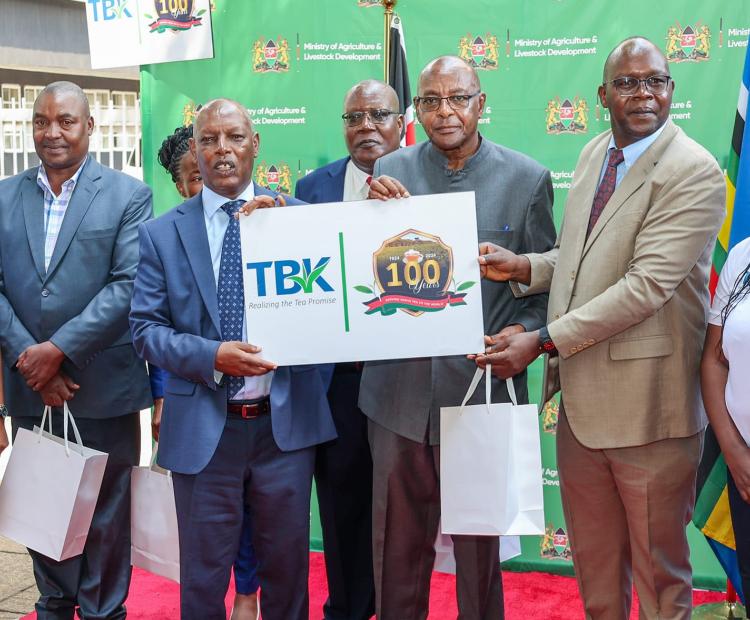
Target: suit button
(557, 316)
(45, 292)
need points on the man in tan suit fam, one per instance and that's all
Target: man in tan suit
(626, 319)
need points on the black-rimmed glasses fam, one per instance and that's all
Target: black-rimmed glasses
(457, 102)
(627, 86)
(377, 117)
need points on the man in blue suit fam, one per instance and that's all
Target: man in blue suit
(236, 429)
(68, 256)
(343, 468)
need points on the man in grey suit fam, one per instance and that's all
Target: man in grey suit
(402, 398)
(68, 256)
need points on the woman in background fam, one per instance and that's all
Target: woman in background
(177, 159)
(725, 382)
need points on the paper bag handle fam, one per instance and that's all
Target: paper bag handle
(487, 388)
(67, 417)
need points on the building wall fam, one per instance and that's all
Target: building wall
(42, 41)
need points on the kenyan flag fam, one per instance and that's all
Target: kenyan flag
(711, 514)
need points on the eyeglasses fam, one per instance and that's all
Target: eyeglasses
(377, 117)
(627, 86)
(457, 102)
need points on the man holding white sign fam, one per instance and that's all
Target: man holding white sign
(402, 398)
(343, 467)
(236, 429)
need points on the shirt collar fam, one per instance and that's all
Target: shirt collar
(632, 152)
(359, 176)
(440, 159)
(43, 181)
(212, 201)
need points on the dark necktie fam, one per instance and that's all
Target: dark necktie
(606, 187)
(229, 290)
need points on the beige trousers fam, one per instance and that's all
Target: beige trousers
(626, 510)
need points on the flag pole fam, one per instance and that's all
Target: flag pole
(387, 18)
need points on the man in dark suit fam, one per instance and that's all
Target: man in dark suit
(402, 398)
(68, 256)
(236, 429)
(343, 467)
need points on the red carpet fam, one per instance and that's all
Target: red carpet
(527, 595)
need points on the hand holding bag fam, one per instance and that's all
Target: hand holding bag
(50, 489)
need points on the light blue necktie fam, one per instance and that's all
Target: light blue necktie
(229, 290)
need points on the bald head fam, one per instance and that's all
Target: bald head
(377, 130)
(372, 89)
(449, 105)
(62, 126)
(220, 107)
(632, 46)
(637, 90)
(65, 89)
(450, 65)
(225, 146)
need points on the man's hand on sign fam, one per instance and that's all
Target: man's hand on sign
(261, 202)
(385, 187)
(500, 265)
(241, 359)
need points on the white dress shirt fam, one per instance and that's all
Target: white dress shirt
(216, 226)
(356, 186)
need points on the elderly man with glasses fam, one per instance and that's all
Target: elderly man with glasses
(627, 317)
(343, 467)
(402, 398)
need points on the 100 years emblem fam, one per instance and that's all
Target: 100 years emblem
(413, 272)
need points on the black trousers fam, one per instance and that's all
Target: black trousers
(343, 478)
(740, 511)
(98, 580)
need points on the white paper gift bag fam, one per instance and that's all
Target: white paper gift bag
(50, 489)
(154, 541)
(491, 467)
(445, 560)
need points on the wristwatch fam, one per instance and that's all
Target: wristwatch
(4, 411)
(545, 342)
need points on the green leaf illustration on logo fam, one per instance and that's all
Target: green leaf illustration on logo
(363, 289)
(465, 285)
(306, 280)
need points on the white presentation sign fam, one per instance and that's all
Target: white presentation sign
(363, 280)
(137, 32)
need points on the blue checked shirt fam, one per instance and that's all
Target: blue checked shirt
(55, 207)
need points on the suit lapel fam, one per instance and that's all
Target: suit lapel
(32, 200)
(338, 176)
(192, 230)
(578, 205)
(83, 195)
(634, 179)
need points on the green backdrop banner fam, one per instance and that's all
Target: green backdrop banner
(291, 61)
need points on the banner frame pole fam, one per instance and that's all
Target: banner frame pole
(387, 19)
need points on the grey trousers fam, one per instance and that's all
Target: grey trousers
(405, 517)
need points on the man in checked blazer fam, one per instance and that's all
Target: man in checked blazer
(627, 314)
(68, 256)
